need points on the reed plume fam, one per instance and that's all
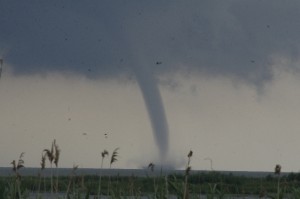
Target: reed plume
(113, 159)
(15, 167)
(187, 172)
(43, 165)
(103, 155)
(72, 174)
(151, 166)
(50, 154)
(277, 172)
(56, 159)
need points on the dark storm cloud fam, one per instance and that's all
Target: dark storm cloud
(104, 38)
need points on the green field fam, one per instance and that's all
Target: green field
(212, 184)
(154, 184)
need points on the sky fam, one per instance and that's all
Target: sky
(156, 79)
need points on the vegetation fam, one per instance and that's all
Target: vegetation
(103, 154)
(212, 184)
(183, 185)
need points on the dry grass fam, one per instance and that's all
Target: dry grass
(187, 172)
(53, 155)
(113, 159)
(114, 156)
(103, 155)
(20, 163)
(16, 165)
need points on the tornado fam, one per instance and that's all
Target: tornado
(156, 112)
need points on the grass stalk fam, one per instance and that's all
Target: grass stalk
(187, 172)
(112, 160)
(56, 160)
(166, 186)
(50, 155)
(73, 173)
(103, 154)
(277, 172)
(16, 167)
(151, 166)
(43, 163)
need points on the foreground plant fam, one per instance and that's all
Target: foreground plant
(72, 175)
(16, 166)
(279, 192)
(56, 159)
(277, 172)
(53, 155)
(103, 155)
(151, 167)
(43, 165)
(187, 172)
(114, 156)
(113, 159)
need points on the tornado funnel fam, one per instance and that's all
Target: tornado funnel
(153, 101)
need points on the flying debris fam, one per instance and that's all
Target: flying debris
(105, 135)
(84, 133)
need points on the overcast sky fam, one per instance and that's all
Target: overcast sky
(159, 78)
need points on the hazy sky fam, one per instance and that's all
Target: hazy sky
(219, 78)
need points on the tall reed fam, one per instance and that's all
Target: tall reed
(113, 159)
(52, 155)
(103, 154)
(16, 166)
(151, 166)
(72, 174)
(43, 164)
(187, 172)
(56, 159)
(277, 172)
